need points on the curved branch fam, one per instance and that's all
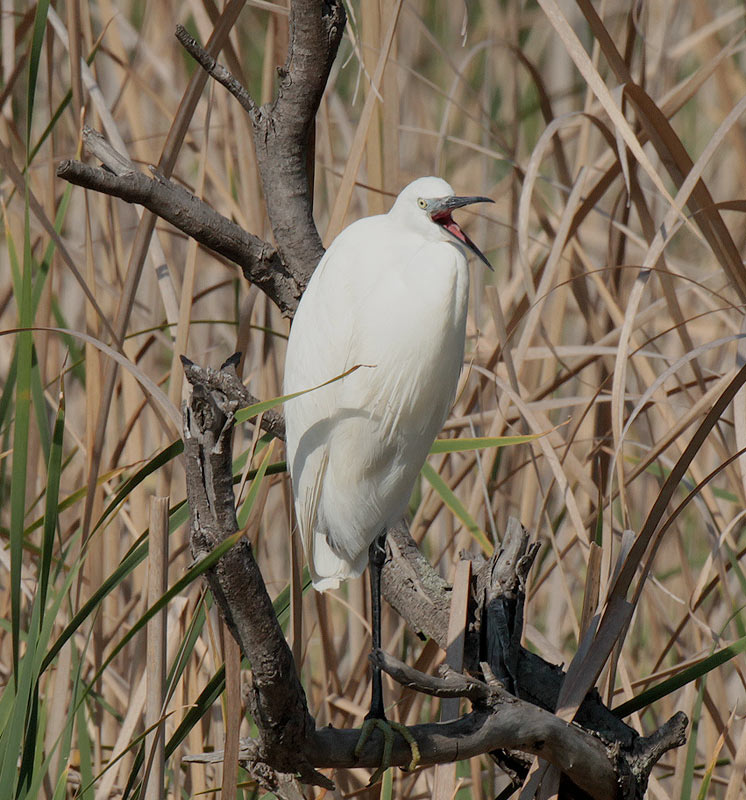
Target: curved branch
(512, 724)
(505, 724)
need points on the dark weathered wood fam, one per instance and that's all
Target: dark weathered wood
(283, 130)
(413, 588)
(226, 381)
(499, 721)
(276, 698)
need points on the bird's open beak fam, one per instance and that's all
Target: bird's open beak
(440, 212)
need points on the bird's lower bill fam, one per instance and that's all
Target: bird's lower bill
(446, 221)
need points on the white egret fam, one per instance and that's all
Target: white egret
(390, 293)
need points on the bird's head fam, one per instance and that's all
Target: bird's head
(427, 203)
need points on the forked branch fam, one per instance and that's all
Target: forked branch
(600, 755)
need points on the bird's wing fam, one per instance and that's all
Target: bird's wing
(320, 347)
(356, 446)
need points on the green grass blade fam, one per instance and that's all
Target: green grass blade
(457, 507)
(41, 624)
(29, 752)
(249, 412)
(215, 686)
(197, 710)
(85, 751)
(40, 24)
(248, 504)
(281, 603)
(160, 459)
(691, 747)
(46, 263)
(687, 675)
(20, 440)
(54, 473)
(186, 648)
(189, 577)
(479, 443)
(132, 559)
(60, 110)
(40, 406)
(12, 736)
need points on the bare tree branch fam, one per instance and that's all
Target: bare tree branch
(276, 698)
(499, 721)
(282, 129)
(120, 177)
(216, 70)
(597, 753)
(449, 684)
(226, 381)
(282, 132)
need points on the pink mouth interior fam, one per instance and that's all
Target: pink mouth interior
(446, 221)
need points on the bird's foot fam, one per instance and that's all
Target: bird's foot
(389, 730)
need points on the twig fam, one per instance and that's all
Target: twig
(215, 69)
(449, 684)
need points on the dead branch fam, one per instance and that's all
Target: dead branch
(499, 721)
(601, 755)
(226, 381)
(120, 177)
(276, 698)
(282, 131)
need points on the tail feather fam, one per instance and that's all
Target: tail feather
(327, 569)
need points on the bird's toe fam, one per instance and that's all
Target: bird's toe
(388, 730)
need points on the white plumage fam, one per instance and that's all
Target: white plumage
(391, 294)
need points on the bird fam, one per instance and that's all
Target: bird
(386, 309)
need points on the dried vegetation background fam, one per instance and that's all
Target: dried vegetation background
(612, 321)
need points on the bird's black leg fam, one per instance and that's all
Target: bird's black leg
(376, 559)
(376, 717)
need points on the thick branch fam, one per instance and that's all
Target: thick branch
(626, 768)
(580, 756)
(413, 588)
(422, 598)
(503, 722)
(282, 132)
(507, 724)
(276, 698)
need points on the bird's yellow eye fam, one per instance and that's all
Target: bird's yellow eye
(422, 203)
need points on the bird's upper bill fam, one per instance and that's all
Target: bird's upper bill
(440, 210)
